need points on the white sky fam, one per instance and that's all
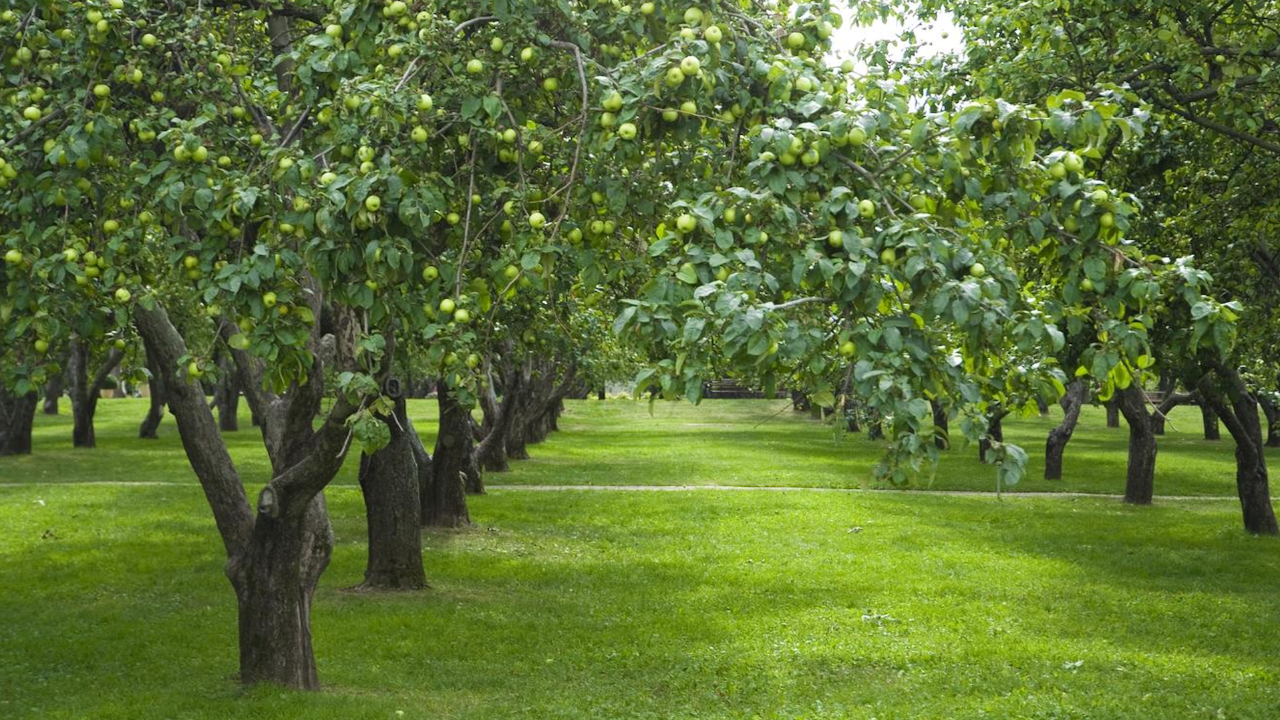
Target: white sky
(930, 36)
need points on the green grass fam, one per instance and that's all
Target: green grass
(663, 605)
(726, 442)
(684, 604)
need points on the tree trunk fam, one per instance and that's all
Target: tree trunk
(445, 502)
(53, 393)
(941, 425)
(1113, 414)
(275, 581)
(155, 410)
(1238, 409)
(389, 482)
(1055, 447)
(1168, 384)
(226, 397)
(17, 417)
(491, 453)
(1140, 478)
(995, 432)
(84, 391)
(600, 393)
(1272, 411)
(1210, 419)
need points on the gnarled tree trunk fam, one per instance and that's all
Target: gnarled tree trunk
(941, 426)
(1140, 479)
(53, 393)
(17, 417)
(1113, 414)
(1272, 411)
(226, 397)
(85, 390)
(1167, 385)
(1226, 392)
(276, 553)
(1055, 447)
(491, 453)
(156, 401)
(389, 483)
(444, 504)
(1210, 420)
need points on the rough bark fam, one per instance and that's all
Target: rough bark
(1055, 447)
(1272, 410)
(444, 504)
(275, 555)
(226, 397)
(17, 417)
(1113, 414)
(389, 483)
(941, 425)
(1167, 385)
(84, 390)
(1140, 477)
(491, 453)
(53, 393)
(1209, 418)
(1226, 392)
(155, 409)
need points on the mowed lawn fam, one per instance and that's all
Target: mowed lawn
(720, 442)
(685, 604)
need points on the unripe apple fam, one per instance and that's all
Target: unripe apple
(123, 295)
(527, 54)
(41, 346)
(430, 273)
(627, 131)
(102, 90)
(977, 270)
(693, 16)
(419, 134)
(847, 349)
(612, 102)
(551, 84)
(537, 220)
(425, 102)
(675, 76)
(149, 41)
(475, 66)
(690, 65)
(1072, 162)
(13, 257)
(372, 203)
(835, 239)
(713, 34)
(461, 316)
(334, 31)
(447, 306)
(686, 223)
(866, 208)
(795, 40)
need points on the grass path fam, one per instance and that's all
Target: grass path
(501, 487)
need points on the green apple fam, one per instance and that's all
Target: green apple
(149, 41)
(551, 84)
(372, 203)
(430, 273)
(334, 31)
(675, 76)
(686, 223)
(612, 102)
(866, 208)
(847, 349)
(461, 316)
(123, 295)
(713, 34)
(447, 306)
(795, 40)
(475, 66)
(693, 16)
(537, 220)
(690, 65)
(511, 272)
(102, 90)
(1072, 162)
(627, 131)
(977, 270)
(835, 239)
(13, 257)
(269, 299)
(419, 134)
(41, 346)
